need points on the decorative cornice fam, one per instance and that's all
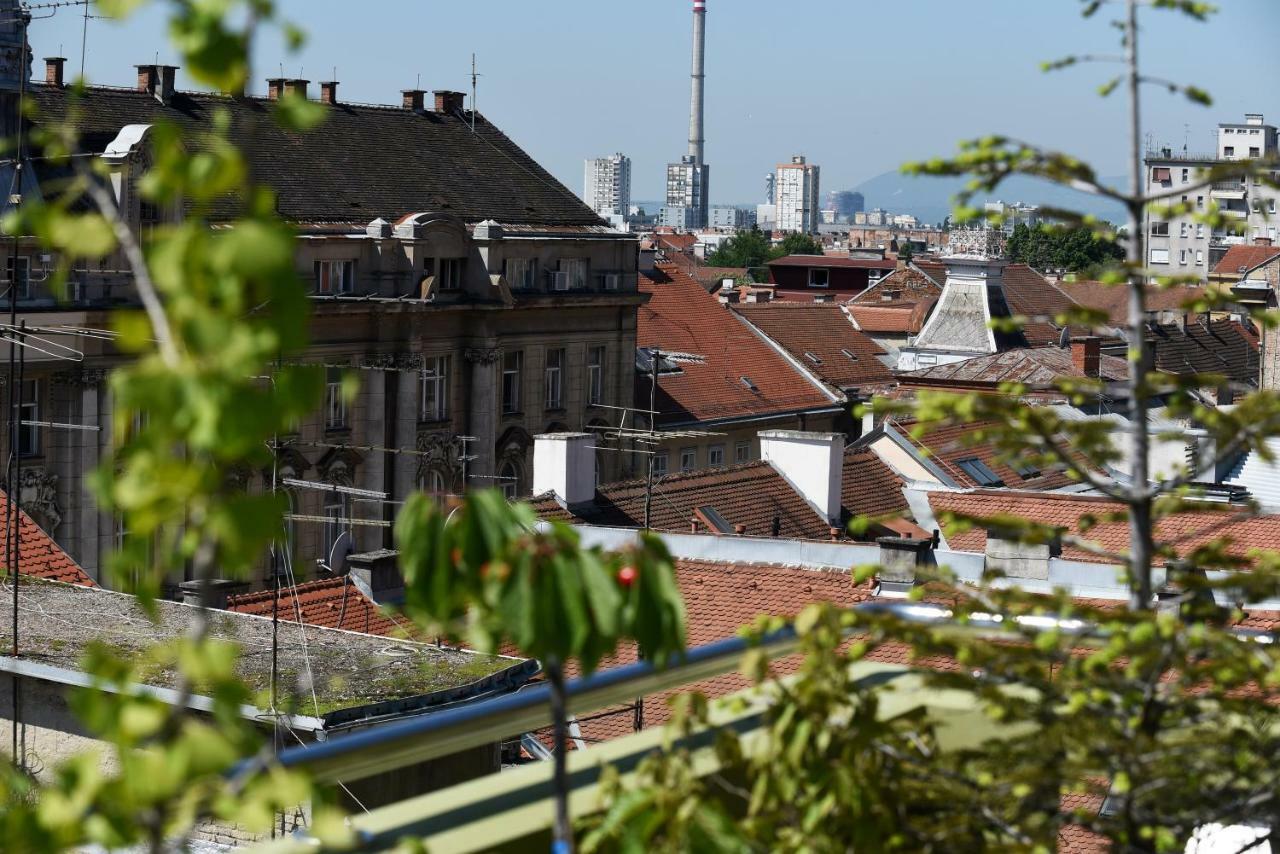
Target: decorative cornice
(482, 355)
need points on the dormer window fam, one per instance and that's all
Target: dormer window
(451, 272)
(819, 277)
(335, 277)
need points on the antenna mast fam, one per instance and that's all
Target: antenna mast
(474, 75)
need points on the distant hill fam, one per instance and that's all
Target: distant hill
(929, 199)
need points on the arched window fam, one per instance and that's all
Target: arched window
(433, 484)
(509, 480)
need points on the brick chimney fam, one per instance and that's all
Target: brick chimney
(53, 70)
(157, 80)
(329, 91)
(1086, 355)
(275, 88)
(413, 99)
(296, 86)
(447, 101)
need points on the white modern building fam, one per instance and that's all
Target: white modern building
(1179, 246)
(796, 192)
(607, 185)
(728, 217)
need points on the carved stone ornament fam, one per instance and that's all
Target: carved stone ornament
(978, 241)
(291, 463)
(441, 451)
(80, 377)
(482, 355)
(392, 362)
(338, 466)
(38, 490)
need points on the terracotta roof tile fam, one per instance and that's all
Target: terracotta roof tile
(946, 445)
(332, 603)
(1038, 300)
(1190, 529)
(38, 555)
(819, 336)
(1215, 347)
(1036, 368)
(908, 285)
(1114, 299)
(1244, 258)
(682, 317)
(752, 495)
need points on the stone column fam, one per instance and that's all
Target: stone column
(482, 414)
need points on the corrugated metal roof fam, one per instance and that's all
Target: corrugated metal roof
(1260, 477)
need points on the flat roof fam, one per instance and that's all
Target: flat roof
(356, 677)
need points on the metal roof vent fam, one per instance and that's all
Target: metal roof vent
(746, 381)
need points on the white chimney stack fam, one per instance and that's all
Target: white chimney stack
(813, 463)
(565, 463)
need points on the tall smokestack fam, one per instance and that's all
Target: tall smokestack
(695, 102)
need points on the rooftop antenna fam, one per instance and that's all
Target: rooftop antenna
(474, 77)
(84, 38)
(1186, 137)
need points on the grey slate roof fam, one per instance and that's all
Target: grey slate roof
(362, 162)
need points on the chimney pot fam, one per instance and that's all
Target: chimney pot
(275, 88)
(1086, 355)
(739, 529)
(53, 70)
(157, 80)
(146, 78)
(296, 87)
(447, 101)
(413, 99)
(329, 92)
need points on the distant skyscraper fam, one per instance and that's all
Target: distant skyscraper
(607, 185)
(797, 196)
(688, 182)
(845, 203)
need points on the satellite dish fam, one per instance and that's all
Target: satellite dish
(342, 547)
(1064, 337)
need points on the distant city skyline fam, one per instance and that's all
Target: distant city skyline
(577, 79)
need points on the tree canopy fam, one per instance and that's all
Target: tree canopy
(1075, 249)
(753, 250)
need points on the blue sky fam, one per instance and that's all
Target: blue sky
(859, 86)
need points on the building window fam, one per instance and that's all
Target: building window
(1229, 151)
(335, 404)
(1159, 256)
(1200, 202)
(512, 365)
(23, 280)
(1255, 152)
(433, 485)
(715, 456)
(595, 375)
(576, 272)
(450, 275)
(1182, 229)
(980, 472)
(688, 459)
(742, 452)
(1182, 256)
(335, 277)
(1200, 256)
(509, 480)
(1200, 231)
(520, 273)
(554, 376)
(435, 388)
(1185, 178)
(660, 464)
(819, 278)
(334, 527)
(29, 434)
(1271, 206)
(1159, 229)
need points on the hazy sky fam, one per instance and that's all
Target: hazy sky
(859, 86)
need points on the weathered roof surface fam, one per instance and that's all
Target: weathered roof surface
(832, 261)
(712, 276)
(907, 285)
(1222, 346)
(1035, 298)
(347, 669)
(1243, 259)
(892, 318)
(934, 268)
(38, 555)
(1260, 477)
(362, 162)
(751, 494)
(1037, 368)
(821, 337)
(1074, 839)
(682, 317)
(1067, 511)
(959, 321)
(1114, 299)
(332, 603)
(947, 444)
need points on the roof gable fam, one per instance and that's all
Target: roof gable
(38, 555)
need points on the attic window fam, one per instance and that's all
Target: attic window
(979, 471)
(812, 358)
(852, 358)
(1025, 470)
(746, 381)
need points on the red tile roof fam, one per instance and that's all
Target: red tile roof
(1035, 298)
(833, 261)
(1036, 368)
(332, 603)
(900, 318)
(682, 317)
(907, 285)
(818, 336)
(1114, 299)
(945, 445)
(38, 555)
(1190, 529)
(1243, 258)
(752, 495)
(1224, 346)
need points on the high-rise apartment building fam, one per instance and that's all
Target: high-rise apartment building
(1183, 247)
(796, 190)
(606, 185)
(687, 187)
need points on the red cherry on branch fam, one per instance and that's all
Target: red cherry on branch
(627, 576)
